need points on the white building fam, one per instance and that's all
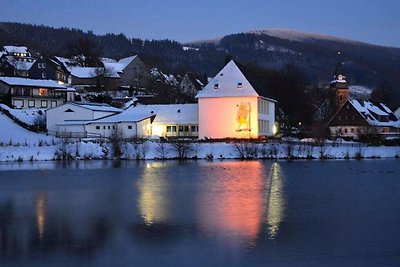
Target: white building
(233, 105)
(76, 112)
(179, 120)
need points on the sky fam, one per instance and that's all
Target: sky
(371, 21)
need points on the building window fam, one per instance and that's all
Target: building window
(31, 103)
(109, 127)
(345, 130)
(193, 128)
(113, 127)
(53, 104)
(97, 127)
(43, 75)
(340, 97)
(44, 103)
(216, 86)
(104, 127)
(186, 128)
(181, 128)
(239, 85)
(130, 127)
(173, 129)
(168, 129)
(352, 130)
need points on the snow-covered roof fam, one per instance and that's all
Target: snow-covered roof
(18, 81)
(84, 72)
(371, 113)
(114, 68)
(229, 82)
(22, 65)
(98, 107)
(16, 49)
(173, 114)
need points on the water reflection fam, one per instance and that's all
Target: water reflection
(232, 203)
(41, 206)
(276, 201)
(153, 200)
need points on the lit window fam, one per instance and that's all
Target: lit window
(44, 103)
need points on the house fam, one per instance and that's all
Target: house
(354, 118)
(358, 117)
(15, 61)
(135, 122)
(73, 112)
(29, 93)
(235, 105)
(130, 71)
(191, 84)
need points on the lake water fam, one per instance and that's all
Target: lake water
(200, 213)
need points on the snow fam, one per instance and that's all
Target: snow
(188, 48)
(85, 72)
(359, 92)
(300, 36)
(175, 114)
(98, 107)
(27, 116)
(367, 110)
(114, 68)
(225, 84)
(16, 49)
(14, 81)
(14, 135)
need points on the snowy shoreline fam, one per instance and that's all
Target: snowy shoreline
(155, 150)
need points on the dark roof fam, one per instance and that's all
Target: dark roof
(254, 81)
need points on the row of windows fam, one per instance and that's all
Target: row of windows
(32, 103)
(346, 118)
(41, 65)
(182, 128)
(263, 106)
(109, 127)
(263, 126)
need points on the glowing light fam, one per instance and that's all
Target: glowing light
(158, 130)
(274, 129)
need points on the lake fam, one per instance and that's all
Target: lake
(200, 213)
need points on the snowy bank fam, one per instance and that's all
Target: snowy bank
(151, 150)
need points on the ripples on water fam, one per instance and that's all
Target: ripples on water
(239, 213)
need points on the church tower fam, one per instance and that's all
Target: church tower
(339, 85)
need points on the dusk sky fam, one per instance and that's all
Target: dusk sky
(370, 21)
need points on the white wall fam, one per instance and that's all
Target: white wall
(58, 114)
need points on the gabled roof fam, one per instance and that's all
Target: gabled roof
(196, 80)
(18, 81)
(20, 64)
(84, 72)
(16, 49)
(233, 80)
(114, 68)
(170, 113)
(97, 107)
(373, 114)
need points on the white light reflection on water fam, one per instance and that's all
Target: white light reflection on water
(153, 200)
(276, 201)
